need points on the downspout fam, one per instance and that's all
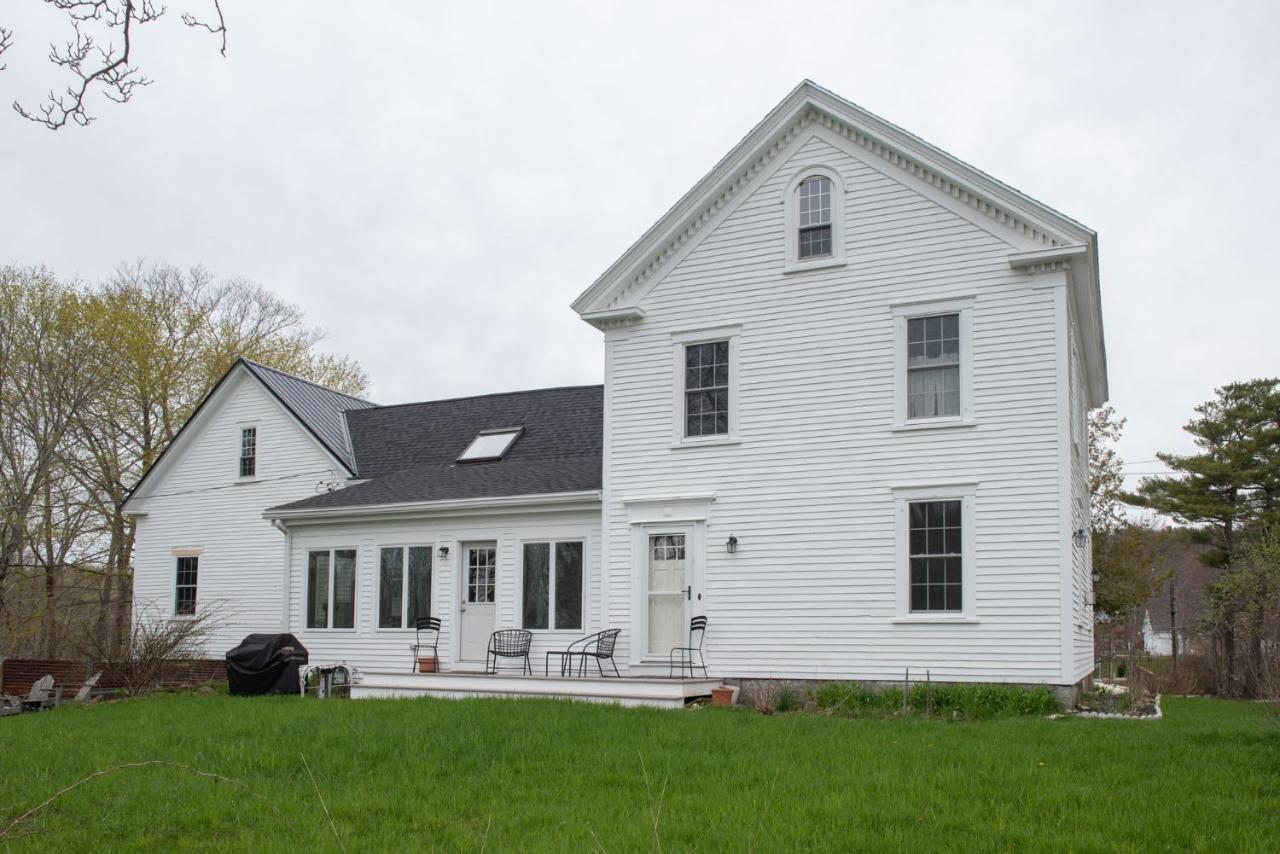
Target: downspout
(285, 591)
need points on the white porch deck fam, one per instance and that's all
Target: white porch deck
(624, 691)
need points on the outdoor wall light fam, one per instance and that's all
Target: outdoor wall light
(443, 552)
(731, 544)
(1080, 535)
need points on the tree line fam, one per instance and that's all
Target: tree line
(95, 381)
(1226, 498)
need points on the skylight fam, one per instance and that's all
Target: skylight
(490, 445)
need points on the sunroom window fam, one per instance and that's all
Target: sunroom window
(331, 589)
(404, 586)
(490, 445)
(553, 591)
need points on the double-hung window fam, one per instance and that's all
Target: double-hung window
(188, 568)
(934, 364)
(814, 238)
(248, 452)
(706, 388)
(553, 585)
(331, 589)
(404, 586)
(935, 555)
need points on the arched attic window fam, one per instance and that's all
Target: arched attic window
(815, 209)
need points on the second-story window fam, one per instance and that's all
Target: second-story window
(706, 388)
(814, 239)
(933, 366)
(248, 452)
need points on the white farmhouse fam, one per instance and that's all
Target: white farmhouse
(842, 417)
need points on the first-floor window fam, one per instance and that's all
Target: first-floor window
(404, 586)
(553, 585)
(185, 591)
(935, 555)
(331, 589)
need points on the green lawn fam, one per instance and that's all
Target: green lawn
(547, 775)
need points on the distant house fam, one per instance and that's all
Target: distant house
(1184, 590)
(846, 378)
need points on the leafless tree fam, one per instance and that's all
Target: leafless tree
(93, 66)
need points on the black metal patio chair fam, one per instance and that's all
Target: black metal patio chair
(429, 626)
(599, 646)
(688, 654)
(509, 643)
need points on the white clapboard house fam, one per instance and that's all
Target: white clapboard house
(843, 417)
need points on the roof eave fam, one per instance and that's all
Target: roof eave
(546, 500)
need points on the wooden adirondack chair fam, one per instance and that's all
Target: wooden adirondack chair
(39, 696)
(86, 690)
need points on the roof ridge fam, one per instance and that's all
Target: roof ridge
(490, 394)
(266, 367)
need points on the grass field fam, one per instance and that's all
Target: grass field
(546, 775)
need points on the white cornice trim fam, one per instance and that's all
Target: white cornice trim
(614, 318)
(1038, 257)
(553, 500)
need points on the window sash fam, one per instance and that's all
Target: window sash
(331, 588)
(933, 366)
(935, 561)
(706, 388)
(187, 570)
(248, 451)
(404, 585)
(552, 596)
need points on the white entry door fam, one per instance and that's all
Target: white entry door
(479, 577)
(668, 593)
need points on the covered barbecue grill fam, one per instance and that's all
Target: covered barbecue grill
(265, 664)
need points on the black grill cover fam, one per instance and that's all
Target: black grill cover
(265, 664)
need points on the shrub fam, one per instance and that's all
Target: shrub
(957, 702)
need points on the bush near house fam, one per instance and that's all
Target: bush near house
(956, 702)
(529, 775)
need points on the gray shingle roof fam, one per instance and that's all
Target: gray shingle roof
(409, 452)
(320, 409)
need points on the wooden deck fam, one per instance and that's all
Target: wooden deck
(625, 691)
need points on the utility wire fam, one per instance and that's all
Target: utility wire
(237, 485)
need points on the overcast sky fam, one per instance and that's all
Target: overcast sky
(433, 183)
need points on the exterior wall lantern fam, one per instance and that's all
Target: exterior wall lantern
(1080, 535)
(443, 552)
(731, 544)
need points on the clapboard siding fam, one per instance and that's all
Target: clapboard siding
(1081, 627)
(195, 502)
(370, 648)
(811, 591)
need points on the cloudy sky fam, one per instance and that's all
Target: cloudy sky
(434, 182)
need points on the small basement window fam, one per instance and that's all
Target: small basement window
(490, 445)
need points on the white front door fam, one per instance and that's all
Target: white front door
(479, 578)
(668, 593)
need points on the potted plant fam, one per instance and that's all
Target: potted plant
(723, 696)
(427, 664)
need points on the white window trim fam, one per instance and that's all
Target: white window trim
(901, 314)
(902, 496)
(404, 583)
(791, 219)
(680, 340)
(257, 451)
(198, 554)
(551, 584)
(355, 594)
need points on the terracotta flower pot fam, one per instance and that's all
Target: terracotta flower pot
(722, 696)
(427, 664)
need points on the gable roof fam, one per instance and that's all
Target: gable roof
(409, 453)
(319, 409)
(1046, 235)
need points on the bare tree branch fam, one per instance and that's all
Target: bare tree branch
(6, 42)
(220, 30)
(93, 66)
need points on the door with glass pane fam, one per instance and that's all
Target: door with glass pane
(479, 584)
(668, 592)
